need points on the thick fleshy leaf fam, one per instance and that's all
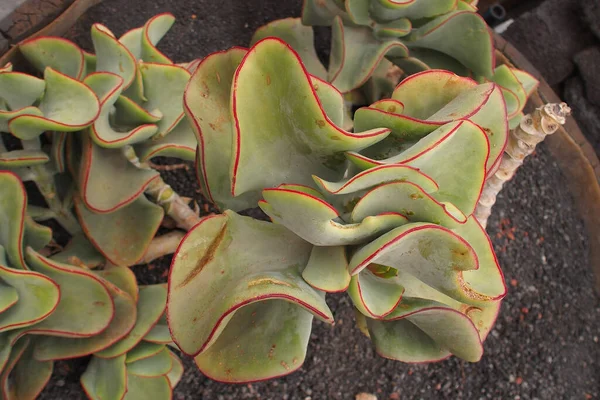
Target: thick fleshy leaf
(86, 307)
(8, 297)
(105, 378)
(215, 273)
(440, 261)
(299, 37)
(321, 12)
(460, 144)
(294, 135)
(154, 29)
(462, 35)
(316, 221)
(36, 236)
(29, 375)
(374, 296)
(156, 365)
(163, 85)
(505, 77)
(207, 102)
(143, 350)
(108, 88)
(67, 106)
(410, 200)
(488, 280)
(19, 90)
(355, 53)
(150, 307)
(423, 59)
(332, 100)
(327, 269)
(398, 28)
(59, 348)
(160, 332)
(33, 305)
(528, 81)
(112, 56)
(6, 116)
(13, 204)
(122, 236)
(428, 335)
(175, 374)
(358, 11)
(57, 151)
(387, 10)
(57, 53)
(100, 191)
(81, 253)
(377, 176)
(181, 143)
(123, 278)
(142, 388)
(261, 341)
(7, 389)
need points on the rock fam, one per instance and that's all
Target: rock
(591, 15)
(588, 63)
(549, 36)
(365, 396)
(586, 114)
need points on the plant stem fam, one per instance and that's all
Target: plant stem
(162, 245)
(522, 141)
(165, 196)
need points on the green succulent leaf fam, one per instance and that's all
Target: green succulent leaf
(215, 256)
(463, 35)
(19, 90)
(108, 87)
(150, 307)
(13, 205)
(8, 390)
(261, 341)
(460, 144)
(37, 297)
(395, 29)
(327, 269)
(86, 307)
(410, 200)
(376, 176)
(528, 81)
(6, 116)
(386, 10)
(293, 134)
(67, 105)
(163, 85)
(112, 56)
(507, 79)
(155, 365)
(358, 11)
(180, 143)
(141, 42)
(321, 12)
(175, 374)
(207, 103)
(100, 192)
(124, 235)
(299, 37)
(60, 348)
(355, 53)
(123, 278)
(418, 337)
(57, 53)
(36, 236)
(143, 350)
(375, 296)
(29, 376)
(316, 221)
(57, 151)
(431, 253)
(160, 332)
(80, 252)
(105, 378)
(142, 388)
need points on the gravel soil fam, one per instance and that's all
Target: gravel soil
(545, 344)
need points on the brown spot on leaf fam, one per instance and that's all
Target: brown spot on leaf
(320, 123)
(207, 257)
(262, 281)
(284, 365)
(392, 109)
(268, 79)
(218, 77)
(99, 303)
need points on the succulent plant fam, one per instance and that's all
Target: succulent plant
(92, 117)
(393, 227)
(375, 42)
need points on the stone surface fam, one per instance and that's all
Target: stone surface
(550, 36)
(588, 64)
(591, 15)
(586, 113)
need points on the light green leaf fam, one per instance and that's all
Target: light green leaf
(13, 204)
(57, 53)
(20, 90)
(141, 388)
(105, 378)
(112, 56)
(156, 365)
(30, 375)
(327, 269)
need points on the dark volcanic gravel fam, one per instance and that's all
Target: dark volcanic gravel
(545, 343)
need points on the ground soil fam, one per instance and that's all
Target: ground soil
(545, 344)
